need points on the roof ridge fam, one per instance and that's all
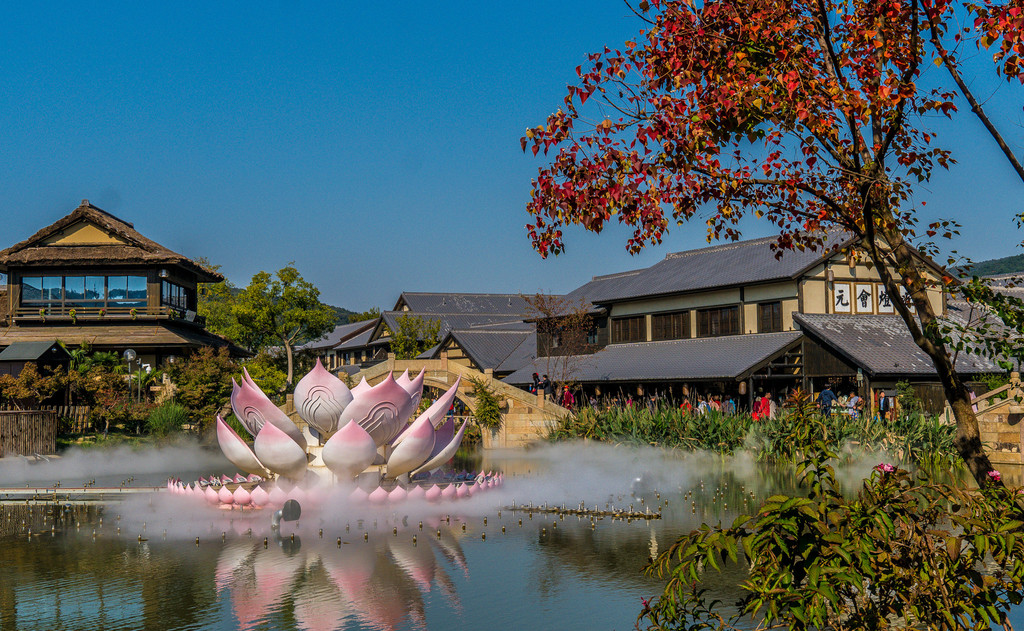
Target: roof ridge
(632, 272)
(458, 293)
(721, 247)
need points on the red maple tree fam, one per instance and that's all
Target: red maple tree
(806, 113)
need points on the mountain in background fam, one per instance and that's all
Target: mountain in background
(341, 314)
(1005, 265)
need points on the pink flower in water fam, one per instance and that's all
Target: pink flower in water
(884, 467)
(995, 476)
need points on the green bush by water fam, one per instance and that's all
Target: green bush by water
(913, 437)
(167, 419)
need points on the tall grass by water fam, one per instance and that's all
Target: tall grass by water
(913, 438)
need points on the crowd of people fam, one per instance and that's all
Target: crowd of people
(765, 404)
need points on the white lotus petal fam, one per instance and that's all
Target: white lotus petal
(414, 450)
(445, 454)
(320, 398)
(349, 452)
(279, 453)
(236, 450)
(378, 411)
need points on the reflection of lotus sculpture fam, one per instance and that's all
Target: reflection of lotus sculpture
(357, 427)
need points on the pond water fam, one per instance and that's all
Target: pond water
(474, 564)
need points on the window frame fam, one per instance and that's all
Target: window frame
(683, 325)
(619, 323)
(775, 319)
(704, 321)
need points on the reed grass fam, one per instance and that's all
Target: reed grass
(914, 438)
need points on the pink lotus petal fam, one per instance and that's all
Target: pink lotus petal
(211, 496)
(259, 496)
(449, 492)
(279, 453)
(349, 452)
(361, 388)
(378, 410)
(415, 391)
(404, 380)
(414, 450)
(225, 496)
(242, 497)
(277, 496)
(358, 495)
(444, 454)
(320, 398)
(461, 491)
(433, 494)
(379, 496)
(417, 493)
(397, 494)
(236, 450)
(254, 409)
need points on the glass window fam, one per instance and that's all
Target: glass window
(173, 295)
(769, 317)
(74, 290)
(31, 288)
(717, 322)
(94, 287)
(631, 329)
(52, 288)
(137, 288)
(117, 287)
(670, 326)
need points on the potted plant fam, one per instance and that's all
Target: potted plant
(103, 311)
(42, 312)
(134, 313)
(74, 315)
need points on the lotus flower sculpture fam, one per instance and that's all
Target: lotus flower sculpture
(357, 427)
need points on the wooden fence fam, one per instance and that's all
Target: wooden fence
(77, 415)
(27, 432)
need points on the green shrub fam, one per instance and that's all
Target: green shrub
(167, 419)
(488, 407)
(905, 552)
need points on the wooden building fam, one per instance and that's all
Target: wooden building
(91, 278)
(733, 319)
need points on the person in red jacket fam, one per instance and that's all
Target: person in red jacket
(568, 401)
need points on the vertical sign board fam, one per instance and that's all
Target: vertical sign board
(842, 301)
(864, 298)
(883, 301)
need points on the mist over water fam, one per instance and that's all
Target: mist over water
(150, 466)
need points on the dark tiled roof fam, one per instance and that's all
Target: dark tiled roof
(461, 321)
(440, 303)
(27, 351)
(881, 344)
(703, 358)
(487, 348)
(135, 335)
(135, 247)
(607, 285)
(356, 341)
(522, 355)
(340, 333)
(730, 264)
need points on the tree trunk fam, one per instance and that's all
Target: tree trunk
(291, 361)
(910, 267)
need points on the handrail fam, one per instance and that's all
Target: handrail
(66, 312)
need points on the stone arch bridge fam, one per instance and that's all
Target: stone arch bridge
(525, 417)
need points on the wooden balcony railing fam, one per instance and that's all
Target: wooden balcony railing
(75, 314)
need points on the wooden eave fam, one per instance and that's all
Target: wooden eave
(136, 250)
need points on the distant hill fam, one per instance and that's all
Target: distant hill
(1005, 265)
(341, 314)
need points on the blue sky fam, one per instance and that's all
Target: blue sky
(375, 145)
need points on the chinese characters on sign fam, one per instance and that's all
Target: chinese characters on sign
(865, 298)
(884, 302)
(841, 301)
